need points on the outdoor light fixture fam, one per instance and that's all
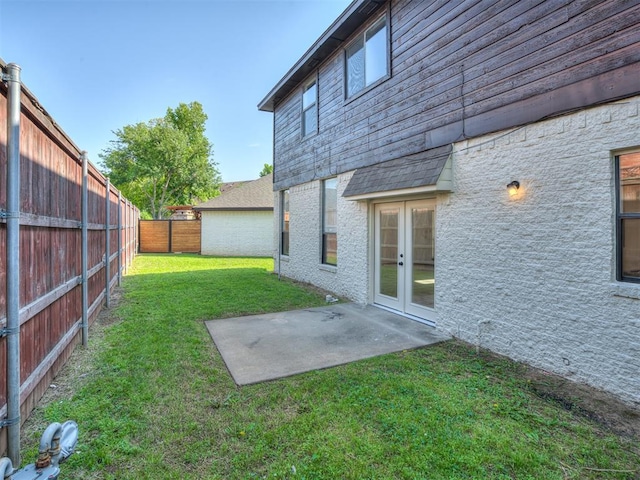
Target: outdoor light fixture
(513, 187)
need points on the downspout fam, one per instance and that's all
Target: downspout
(85, 250)
(13, 263)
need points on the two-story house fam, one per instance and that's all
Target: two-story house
(475, 165)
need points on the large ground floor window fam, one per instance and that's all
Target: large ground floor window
(284, 222)
(628, 216)
(330, 222)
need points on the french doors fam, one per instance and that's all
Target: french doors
(405, 257)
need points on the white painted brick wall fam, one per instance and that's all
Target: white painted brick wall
(237, 233)
(530, 277)
(533, 276)
(350, 278)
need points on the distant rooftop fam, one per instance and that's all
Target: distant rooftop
(248, 195)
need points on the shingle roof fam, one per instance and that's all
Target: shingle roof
(251, 195)
(229, 185)
(412, 171)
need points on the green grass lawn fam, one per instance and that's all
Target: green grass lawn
(153, 399)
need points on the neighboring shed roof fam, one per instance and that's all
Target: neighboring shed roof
(351, 19)
(251, 195)
(424, 169)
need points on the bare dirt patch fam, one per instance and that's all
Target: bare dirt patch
(601, 407)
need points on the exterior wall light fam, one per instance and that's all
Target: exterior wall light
(513, 187)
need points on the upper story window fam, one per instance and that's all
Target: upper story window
(310, 109)
(628, 216)
(367, 58)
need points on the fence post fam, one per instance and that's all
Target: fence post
(13, 262)
(126, 236)
(136, 232)
(107, 221)
(119, 237)
(85, 249)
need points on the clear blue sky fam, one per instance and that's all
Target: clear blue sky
(97, 65)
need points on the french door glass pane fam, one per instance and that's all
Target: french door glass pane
(389, 253)
(423, 281)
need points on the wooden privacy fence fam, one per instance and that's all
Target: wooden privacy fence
(169, 236)
(62, 286)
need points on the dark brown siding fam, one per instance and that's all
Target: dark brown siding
(463, 68)
(51, 248)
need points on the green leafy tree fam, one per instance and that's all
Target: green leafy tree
(266, 170)
(165, 161)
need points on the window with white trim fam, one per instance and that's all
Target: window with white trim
(628, 216)
(367, 58)
(310, 109)
(330, 221)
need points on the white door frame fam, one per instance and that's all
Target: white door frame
(401, 302)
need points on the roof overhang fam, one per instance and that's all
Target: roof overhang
(424, 172)
(351, 19)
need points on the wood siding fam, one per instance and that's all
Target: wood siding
(459, 69)
(51, 247)
(169, 236)
(154, 236)
(185, 236)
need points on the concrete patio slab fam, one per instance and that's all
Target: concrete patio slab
(275, 345)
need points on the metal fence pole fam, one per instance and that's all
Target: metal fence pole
(85, 249)
(107, 267)
(13, 262)
(129, 236)
(119, 238)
